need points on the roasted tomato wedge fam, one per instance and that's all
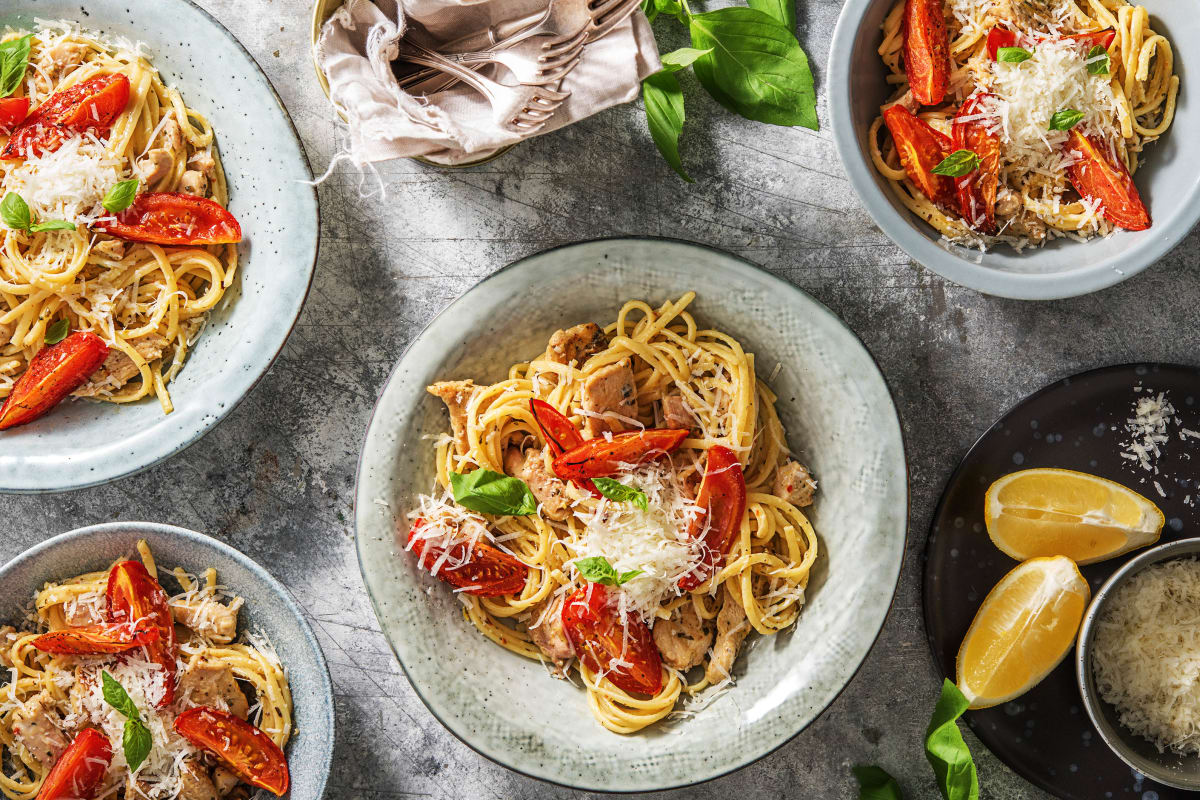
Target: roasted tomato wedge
(54, 373)
(591, 622)
(599, 457)
(13, 111)
(722, 495)
(132, 595)
(88, 106)
(173, 218)
(243, 748)
(926, 50)
(921, 148)
(1099, 175)
(104, 637)
(976, 190)
(478, 569)
(80, 769)
(559, 433)
(1104, 38)
(1002, 37)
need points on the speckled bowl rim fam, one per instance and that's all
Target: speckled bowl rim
(740, 762)
(1084, 646)
(44, 551)
(220, 414)
(899, 226)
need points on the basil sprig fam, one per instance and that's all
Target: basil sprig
(492, 493)
(1065, 119)
(958, 163)
(596, 569)
(1097, 61)
(874, 783)
(57, 331)
(14, 59)
(746, 58)
(120, 196)
(135, 740)
(15, 213)
(615, 490)
(1013, 55)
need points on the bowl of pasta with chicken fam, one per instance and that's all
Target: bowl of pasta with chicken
(145, 662)
(1033, 149)
(640, 497)
(142, 215)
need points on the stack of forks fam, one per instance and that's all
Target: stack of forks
(532, 54)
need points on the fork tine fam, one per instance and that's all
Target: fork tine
(599, 8)
(563, 44)
(613, 17)
(561, 72)
(549, 61)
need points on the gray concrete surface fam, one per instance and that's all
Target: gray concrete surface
(276, 479)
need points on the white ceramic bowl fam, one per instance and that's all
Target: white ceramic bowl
(840, 420)
(1169, 181)
(83, 443)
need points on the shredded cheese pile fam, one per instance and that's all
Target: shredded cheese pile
(1147, 430)
(69, 183)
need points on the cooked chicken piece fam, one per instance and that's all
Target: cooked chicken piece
(194, 182)
(8, 635)
(673, 412)
(203, 160)
(609, 389)
(456, 395)
(224, 780)
(154, 166)
(794, 483)
(551, 493)
(36, 726)
(137, 789)
(683, 639)
(547, 632)
(576, 344)
(118, 369)
(56, 61)
(172, 137)
(206, 616)
(732, 627)
(1007, 204)
(110, 248)
(6, 332)
(906, 100)
(194, 781)
(85, 683)
(1027, 14)
(208, 682)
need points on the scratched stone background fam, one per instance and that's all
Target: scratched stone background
(276, 479)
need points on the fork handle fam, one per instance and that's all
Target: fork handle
(485, 40)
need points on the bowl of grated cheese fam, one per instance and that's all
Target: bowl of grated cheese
(1138, 663)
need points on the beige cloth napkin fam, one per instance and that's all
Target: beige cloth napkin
(359, 42)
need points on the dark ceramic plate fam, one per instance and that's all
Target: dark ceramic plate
(1076, 423)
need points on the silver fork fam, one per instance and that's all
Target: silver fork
(527, 61)
(524, 109)
(561, 21)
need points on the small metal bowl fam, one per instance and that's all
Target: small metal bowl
(1182, 772)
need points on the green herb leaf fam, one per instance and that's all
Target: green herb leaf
(615, 490)
(672, 7)
(958, 163)
(52, 225)
(947, 752)
(136, 743)
(55, 333)
(1098, 66)
(492, 493)
(1065, 119)
(664, 117)
(782, 10)
(596, 569)
(116, 696)
(14, 58)
(1013, 55)
(14, 212)
(756, 67)
(120, 196)
(682, 58)
(874, 783)
(649, 9)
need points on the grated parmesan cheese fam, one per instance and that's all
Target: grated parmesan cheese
(1147, 430)
(69, 183)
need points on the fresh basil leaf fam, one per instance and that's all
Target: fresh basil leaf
(55, 333)
(682, 58)
(492, 493)
(649, 9)
(116, 696)
(52, 225)
(1013, 55)
(782, 10)
(136, 743)
(14, 59)
(120, 196)
(1065, 119)
(756, 67)
(1097, 61)
(874, 783)
(596, 569)
(948, 754)
(14, 211)
(958, 163)
(615, 490)
(626, 577)
(664, 117)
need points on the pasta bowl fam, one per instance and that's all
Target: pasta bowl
(1168, 183)
(84, 443)
(269, 610)
(839, 418)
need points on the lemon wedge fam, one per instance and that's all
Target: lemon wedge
(1059, 512)
(1024, 628)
